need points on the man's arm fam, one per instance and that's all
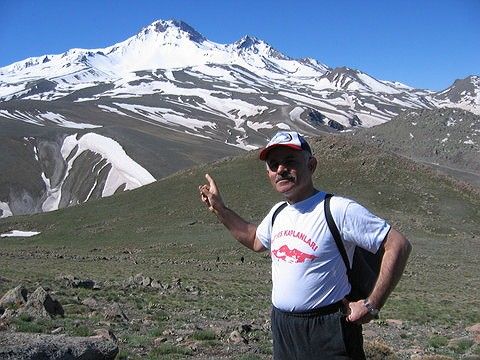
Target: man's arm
(242, 230)
(396, 251)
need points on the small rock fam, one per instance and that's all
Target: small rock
(85, 284)
(146, 281)
(57, 330)
(156, 284)
(236, 338)
(90, 302)
(394, 322)
(147, 322)
(160, 340)
(114, 312)
(138, 279)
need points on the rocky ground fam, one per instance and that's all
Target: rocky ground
(128, 320)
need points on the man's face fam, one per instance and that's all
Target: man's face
(290, 172)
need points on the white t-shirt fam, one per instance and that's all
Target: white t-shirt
(307, 269)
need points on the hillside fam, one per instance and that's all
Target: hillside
(447, 139)
(211, 286)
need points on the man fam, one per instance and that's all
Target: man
(311, 318)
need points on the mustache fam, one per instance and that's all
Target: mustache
(281, 177)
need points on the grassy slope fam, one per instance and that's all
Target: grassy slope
(164, 231)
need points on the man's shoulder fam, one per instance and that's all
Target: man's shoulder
(340, 204)
(277, 206)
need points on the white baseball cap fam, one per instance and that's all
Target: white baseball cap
(291, 139)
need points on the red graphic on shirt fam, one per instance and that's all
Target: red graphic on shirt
(292, 255)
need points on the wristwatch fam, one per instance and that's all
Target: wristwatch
(371, 310)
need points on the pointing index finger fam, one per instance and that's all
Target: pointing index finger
(211, 182)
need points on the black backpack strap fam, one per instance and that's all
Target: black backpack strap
(277, 211)
(336, 234)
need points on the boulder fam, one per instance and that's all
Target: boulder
(475, 331)
(16, 297)
(23, 346)
(115, 313)
(40, 305)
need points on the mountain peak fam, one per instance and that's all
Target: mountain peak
(251, 43)
(248, 42)
(164, 26)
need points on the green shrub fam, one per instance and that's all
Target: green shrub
(203, 335)
(81, 330)
(165, 349)
(29, 326)
(460, 346)
(437, 341)
(25, 323)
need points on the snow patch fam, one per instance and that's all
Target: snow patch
(273, 101)
(61, 121)
(259, 125)
(19, 233)
(124, 171)
(53, 195)
(42, 118)
(167, 116)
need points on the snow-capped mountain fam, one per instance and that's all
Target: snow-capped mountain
(161, 57)
(463, 94)
(172, 98)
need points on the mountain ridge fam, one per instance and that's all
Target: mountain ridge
(170, 97)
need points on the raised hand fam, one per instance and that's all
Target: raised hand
(210, 195)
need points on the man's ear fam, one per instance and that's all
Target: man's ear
(312, 164)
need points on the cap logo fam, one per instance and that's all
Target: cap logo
(281, 138)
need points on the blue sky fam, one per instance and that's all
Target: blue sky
(422, 43)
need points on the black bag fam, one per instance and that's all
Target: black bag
(365, 266)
